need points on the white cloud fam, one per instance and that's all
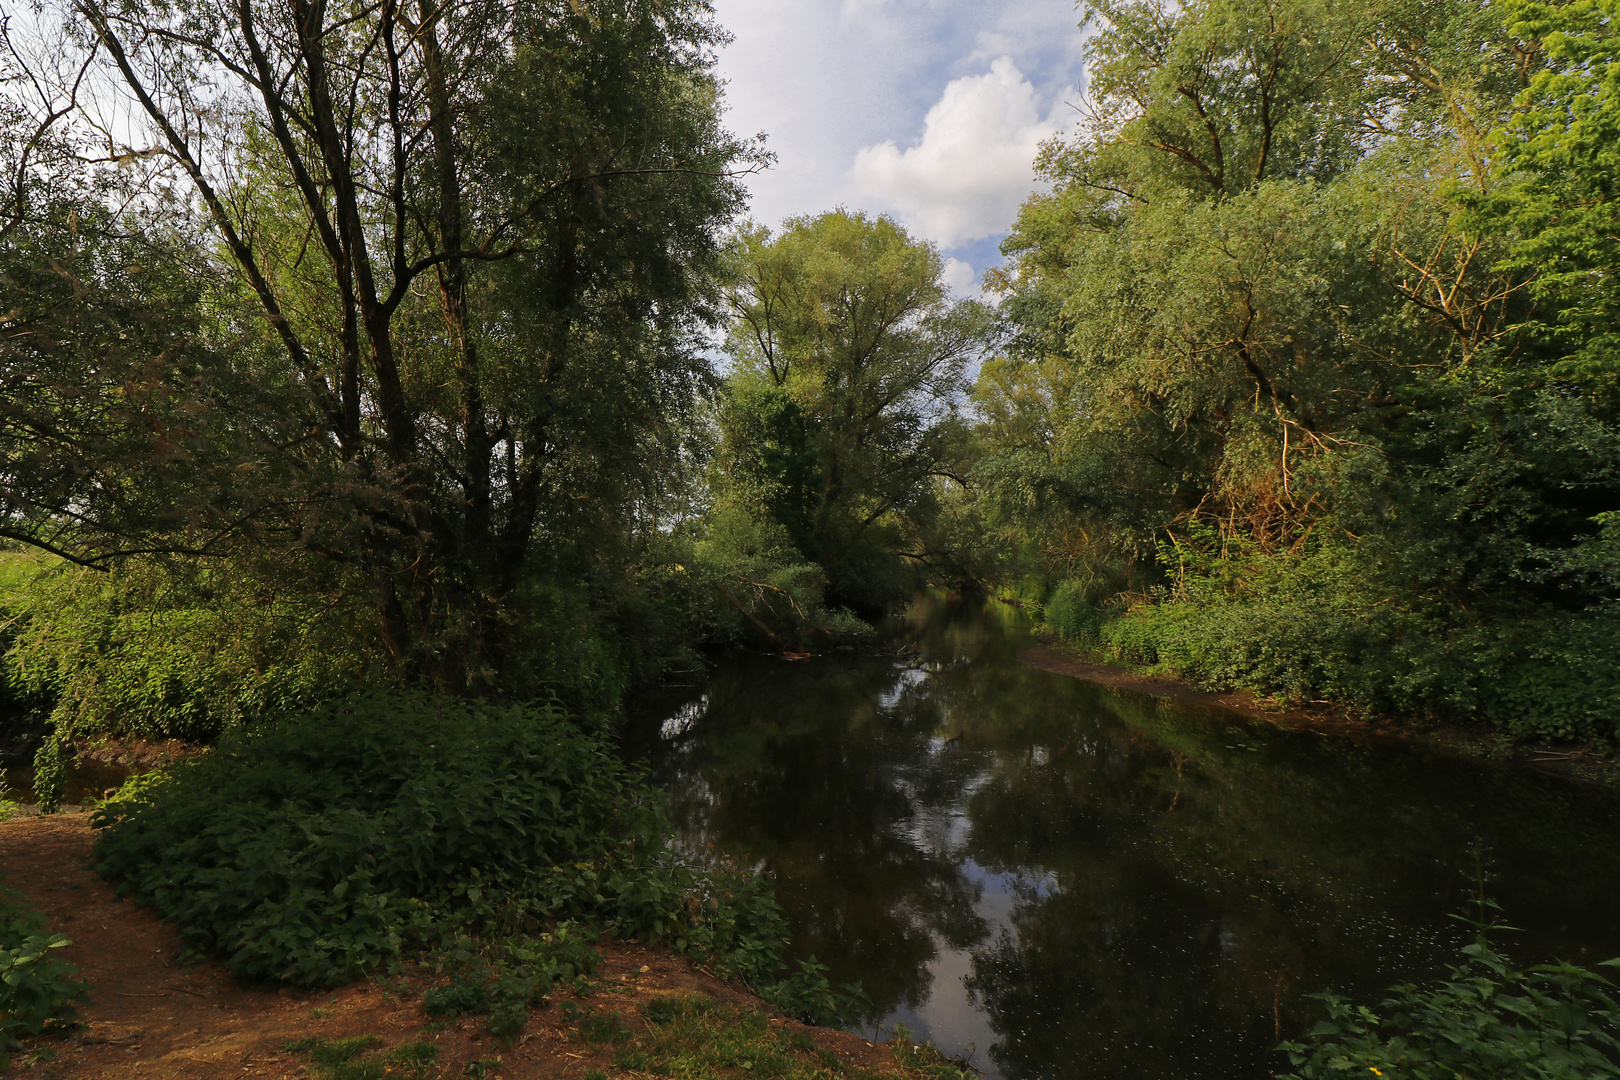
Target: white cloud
(827, 77)
(960, 278)
(964, 179)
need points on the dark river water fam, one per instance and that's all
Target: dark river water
(1065, 880)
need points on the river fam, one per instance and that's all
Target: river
(1059, 879)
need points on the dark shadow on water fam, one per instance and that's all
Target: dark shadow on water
(1078, 881)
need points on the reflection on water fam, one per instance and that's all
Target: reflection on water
(1073, 881)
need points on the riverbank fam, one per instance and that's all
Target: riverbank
(154, 1014)
(1586, 763)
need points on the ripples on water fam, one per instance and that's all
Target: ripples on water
(1073, 881)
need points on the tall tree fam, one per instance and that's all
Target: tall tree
(846, 342)
(479, 240)
(1248, 250)
(1559, 156)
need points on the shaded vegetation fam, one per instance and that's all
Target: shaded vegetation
(39, 991)
(1304, 387)
(378, 828)
(1552, 1021)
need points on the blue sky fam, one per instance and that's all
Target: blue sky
(930, 110)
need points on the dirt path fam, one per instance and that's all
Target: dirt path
(150, 1016)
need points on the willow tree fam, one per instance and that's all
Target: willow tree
(1281, 398)
(469, 243)
(1249, 253)
(849, 364)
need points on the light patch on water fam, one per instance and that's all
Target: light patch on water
(684, 717)
(906, 678)
(948, 1018)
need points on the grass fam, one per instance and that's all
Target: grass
(681, 1037)
(691, 1038)
(361, 1059)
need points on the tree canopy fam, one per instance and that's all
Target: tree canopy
(849, 360)
(463, 253)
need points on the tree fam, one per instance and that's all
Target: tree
(1269, 407)
(1559, 155)
(466, 249)
(846, 343)
(1249, 249)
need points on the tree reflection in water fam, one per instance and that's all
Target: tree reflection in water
(1117, 885)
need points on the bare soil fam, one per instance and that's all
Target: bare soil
(152, 1016)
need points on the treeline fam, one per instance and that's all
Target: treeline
(356, 346)
(1310, 378)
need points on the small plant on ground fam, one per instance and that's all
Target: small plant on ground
(808, 996)
(360, 1059)
(39, 991)
(505, 978)
(697, 1036)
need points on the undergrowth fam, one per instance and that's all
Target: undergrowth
(39, 991)
(1489, 1018)
(1322, 624)
(360, 1058)
(381, 827)
(696, 1036)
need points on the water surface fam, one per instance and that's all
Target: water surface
(1066, 880)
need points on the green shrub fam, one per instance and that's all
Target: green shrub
(312, 850)
(174, 651)
(807, 996)
(39, 991)
(327, 845)
(1071, 615)
(1322, 624)
(1489, 1019)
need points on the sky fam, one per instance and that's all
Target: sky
(929, 110)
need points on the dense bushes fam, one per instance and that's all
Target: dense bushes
(171, 649)
(312, 850)
(1385, 490)
(1327, 623)
(331, 844)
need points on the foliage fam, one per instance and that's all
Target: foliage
(694, 1035)
(1556, 198)
(1548, 1022)
(314, 850)
(444, 338)
(359, 1059)
(1288, 400)
(185, 649)
(38, 990)
(1072, 614)
(1330, 622)
(175, 651)
(807, 996)
(516, 976)
(839, 417)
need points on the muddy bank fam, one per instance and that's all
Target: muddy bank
(1587, 763)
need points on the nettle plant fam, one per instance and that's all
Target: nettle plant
(39, 991)
(385, 827)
